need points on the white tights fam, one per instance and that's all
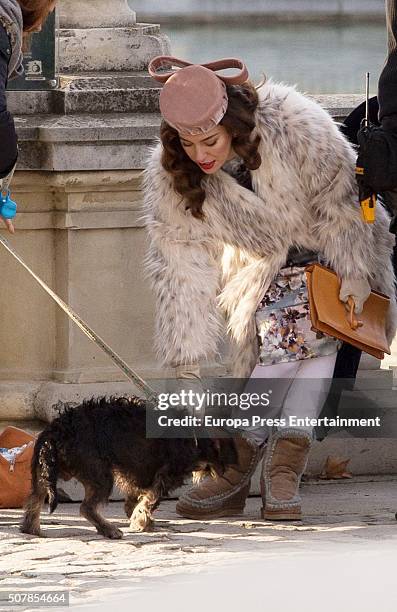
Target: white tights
(301, 391)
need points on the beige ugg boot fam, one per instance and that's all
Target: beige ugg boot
(283, 466)
(224, 495)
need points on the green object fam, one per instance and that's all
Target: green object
(39, 61)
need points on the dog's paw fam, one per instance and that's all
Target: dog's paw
(29, 530)
(139, 527)
(111, 532)
(141, 521)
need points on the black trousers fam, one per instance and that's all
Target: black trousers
(8, 137)
(346, 366)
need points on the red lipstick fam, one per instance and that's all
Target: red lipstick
(208, 165)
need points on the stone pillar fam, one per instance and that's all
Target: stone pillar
(82, 149)
(102, 36)
(96, 14)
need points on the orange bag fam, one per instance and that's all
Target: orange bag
(328, 313)
(15, 478)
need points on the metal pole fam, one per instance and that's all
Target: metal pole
(367, 99)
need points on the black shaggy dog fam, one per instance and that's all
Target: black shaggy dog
(102, 442)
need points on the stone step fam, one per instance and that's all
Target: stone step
(129, 78)
(89, 93)
(114, 93)
(55, 101)
(374, 379)
(102, 100)
(82, 128)
(371, 398)
(368, 456)
(64, 142)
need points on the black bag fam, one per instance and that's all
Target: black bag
(377, 157)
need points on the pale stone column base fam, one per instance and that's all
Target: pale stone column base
(95, 13)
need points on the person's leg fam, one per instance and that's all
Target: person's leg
(344, 377)
(224, 495)
(308, 391)
(288, 450)
(280, 376)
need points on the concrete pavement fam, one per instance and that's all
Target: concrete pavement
(345, 522)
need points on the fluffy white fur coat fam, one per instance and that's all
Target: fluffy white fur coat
(305, 195)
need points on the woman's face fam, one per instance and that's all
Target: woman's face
(209, 151)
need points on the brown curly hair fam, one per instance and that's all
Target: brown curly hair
(239, 121)
(34, 13)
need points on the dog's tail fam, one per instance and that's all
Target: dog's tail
(45, 468)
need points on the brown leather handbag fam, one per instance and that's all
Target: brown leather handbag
(328, 314)
(15, 478)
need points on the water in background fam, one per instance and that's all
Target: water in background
(319, 58)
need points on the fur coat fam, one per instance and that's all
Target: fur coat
(11, 19)
(305, 196)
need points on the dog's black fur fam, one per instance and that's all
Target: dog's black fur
(102, 442)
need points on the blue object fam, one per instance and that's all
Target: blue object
(8, 208)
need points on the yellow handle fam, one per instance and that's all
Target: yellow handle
(368, 209)
(353, 321)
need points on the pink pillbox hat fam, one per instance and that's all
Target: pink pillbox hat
(194, 98)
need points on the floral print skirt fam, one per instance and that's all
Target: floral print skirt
(283, 322)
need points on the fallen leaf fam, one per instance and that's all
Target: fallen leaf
(335, 467)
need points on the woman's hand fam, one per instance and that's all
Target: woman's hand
(190, 371)
(359, 289)
(9, 225)
(189, 381)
